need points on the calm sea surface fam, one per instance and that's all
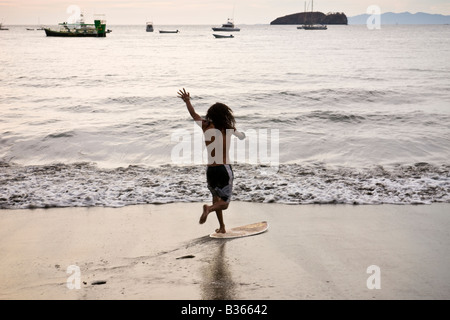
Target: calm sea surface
(363, 115)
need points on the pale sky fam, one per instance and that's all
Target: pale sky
(180, 12)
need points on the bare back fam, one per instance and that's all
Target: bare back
(217, 144)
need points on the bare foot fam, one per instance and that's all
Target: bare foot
(204, 215)
(221, 230)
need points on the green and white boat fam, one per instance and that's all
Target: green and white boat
(79, 29)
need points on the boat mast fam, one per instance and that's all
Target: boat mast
(305, 16)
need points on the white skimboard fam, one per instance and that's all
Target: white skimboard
(243, 231)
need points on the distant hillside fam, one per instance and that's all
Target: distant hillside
(312, 18)
(403, 18)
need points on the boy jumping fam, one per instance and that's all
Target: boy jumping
(217, 126)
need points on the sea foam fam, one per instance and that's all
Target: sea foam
(86, 185)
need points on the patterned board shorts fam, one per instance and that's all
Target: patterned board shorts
(220, 181)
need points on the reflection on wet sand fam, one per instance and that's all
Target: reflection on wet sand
(217, 278)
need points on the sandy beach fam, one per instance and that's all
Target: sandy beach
(160, 252)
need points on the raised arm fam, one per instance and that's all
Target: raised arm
(186, 97)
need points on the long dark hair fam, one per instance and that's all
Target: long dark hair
(221, 116)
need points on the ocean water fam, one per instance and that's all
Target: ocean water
(363, 116)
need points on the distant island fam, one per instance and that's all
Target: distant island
(312, 18)
(403, 18)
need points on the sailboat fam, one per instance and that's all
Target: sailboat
(38, 28)
(310, 25)
(40, 25)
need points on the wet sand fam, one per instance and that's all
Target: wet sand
(161, 252)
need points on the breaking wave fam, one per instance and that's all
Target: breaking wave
(86, 185)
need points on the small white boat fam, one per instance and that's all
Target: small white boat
(309, 25)
(221, 36)
(227, 27)
(313, 27)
